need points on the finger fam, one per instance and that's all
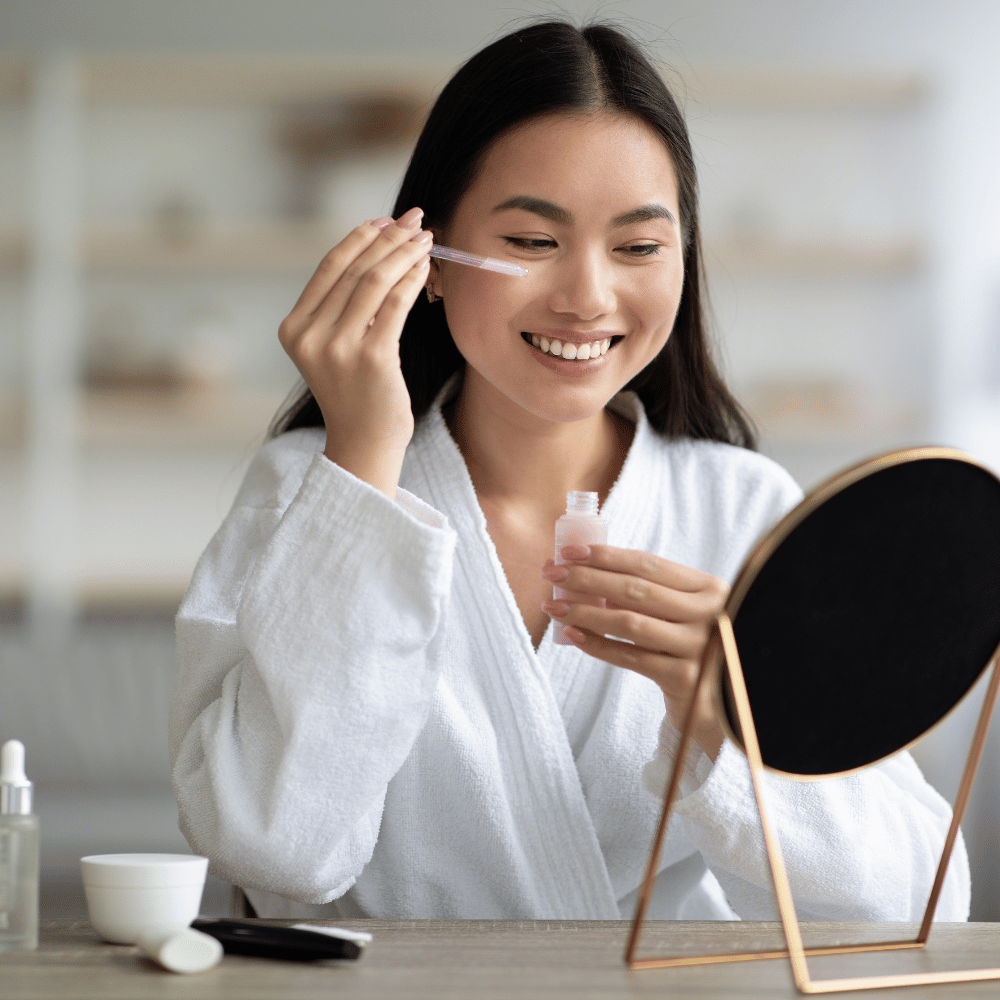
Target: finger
(375, 286)
(675, 677)
(338, 272)
(332, 266)
(391, 236)
(668, 638)
(387, 324)
(636, 593)
(638, 563)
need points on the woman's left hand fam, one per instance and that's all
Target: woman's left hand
(664, 609)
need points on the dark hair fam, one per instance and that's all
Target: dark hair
(544, 69)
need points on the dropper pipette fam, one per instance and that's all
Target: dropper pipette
(474, 260)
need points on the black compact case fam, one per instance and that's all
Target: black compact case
(252, 937)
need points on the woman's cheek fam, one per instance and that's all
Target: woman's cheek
(481, 305)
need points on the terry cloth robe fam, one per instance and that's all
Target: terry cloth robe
(361, 726)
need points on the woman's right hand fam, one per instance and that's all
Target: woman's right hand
(343, 336)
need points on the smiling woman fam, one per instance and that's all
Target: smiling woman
(552, 71)
(371, 717)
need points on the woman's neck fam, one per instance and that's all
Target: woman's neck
(515, 457)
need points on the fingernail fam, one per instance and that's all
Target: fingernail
(411, 219)
(557, 609)
(554, 573)
(425, 237)
(382, 223)
(574, 634)
(576, 552)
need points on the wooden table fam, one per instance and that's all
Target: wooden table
(486, 959)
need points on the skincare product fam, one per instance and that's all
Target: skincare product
(580, 525)
(18, 854)
(298, 943)
(128, 894)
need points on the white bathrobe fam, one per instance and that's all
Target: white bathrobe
(362, 727)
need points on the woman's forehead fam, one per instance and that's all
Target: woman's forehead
(571, 160)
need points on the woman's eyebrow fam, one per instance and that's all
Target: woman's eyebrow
(548, 210)
(539, 206)
(643, 214)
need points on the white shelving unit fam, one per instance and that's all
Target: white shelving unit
(111, 494)
(260, 258)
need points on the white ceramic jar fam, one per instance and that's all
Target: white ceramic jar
(127, 894)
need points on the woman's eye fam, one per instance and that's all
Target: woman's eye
(641, 249)
(529, 243)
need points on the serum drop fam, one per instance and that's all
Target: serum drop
(18, 854)
(580, 525)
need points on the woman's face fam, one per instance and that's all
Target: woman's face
(588, 204)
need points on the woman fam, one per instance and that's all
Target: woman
(370, 717)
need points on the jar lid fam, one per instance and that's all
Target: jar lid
(143, 871)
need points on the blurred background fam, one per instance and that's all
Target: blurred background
(171, 173)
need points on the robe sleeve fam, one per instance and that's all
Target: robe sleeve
(861, 847)
(306, 663)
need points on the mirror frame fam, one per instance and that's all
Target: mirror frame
(722, 649)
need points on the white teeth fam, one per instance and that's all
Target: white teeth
(571, 352)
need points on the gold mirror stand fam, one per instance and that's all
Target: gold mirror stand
(795, 952)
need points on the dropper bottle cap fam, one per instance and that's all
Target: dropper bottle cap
(581, 503)
(15, 789)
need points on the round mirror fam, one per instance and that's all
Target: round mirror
(867, 614)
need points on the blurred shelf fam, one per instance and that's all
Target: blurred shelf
(260, 79)
(199, 78)
(13, 250)
(15, 76)
(271, 248)
(719, 87)
(824, 412)
(765, 255)
(104, 599)
(194, 417)
(11, 422)
(266, 248)
(819, 435)
(131, 597)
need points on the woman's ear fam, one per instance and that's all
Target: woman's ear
(433, 285)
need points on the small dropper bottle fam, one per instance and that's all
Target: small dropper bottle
(580, 525)
(18, 854)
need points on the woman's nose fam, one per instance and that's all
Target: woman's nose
(584, 287)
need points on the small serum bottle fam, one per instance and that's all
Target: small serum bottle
(580, 525)
(18, 854)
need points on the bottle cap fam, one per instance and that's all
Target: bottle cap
(15, 789)
(581, 503)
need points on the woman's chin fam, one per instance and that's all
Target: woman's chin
(565, 407)
(568, 401)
